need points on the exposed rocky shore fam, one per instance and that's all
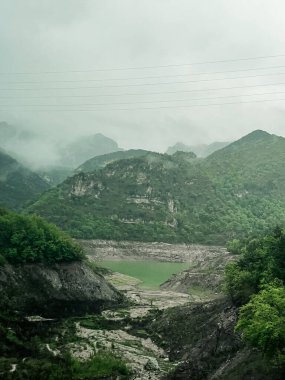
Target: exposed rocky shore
(188, 253)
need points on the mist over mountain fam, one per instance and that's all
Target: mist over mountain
(236, 191)
(45, 153)
(18, 184)
(105, 159)
(86, 147)
(202, 150)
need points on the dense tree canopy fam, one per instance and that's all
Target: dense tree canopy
(256, 283)
(261, 261)
(262, 321)
(234, 193)
(30, 239)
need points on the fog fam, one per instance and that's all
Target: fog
(136, 72)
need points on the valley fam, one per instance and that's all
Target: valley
(165, 253)
(142, 190)
(126, 330)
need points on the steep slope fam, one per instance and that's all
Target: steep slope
(236, 191)
(202, 337)
(202, 150)
(57, 290)
(44, 270)
(18, 184)
(84, 148)
(105, 159)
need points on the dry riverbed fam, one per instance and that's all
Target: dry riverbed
(144, 356)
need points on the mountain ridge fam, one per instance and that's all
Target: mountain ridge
(232, 193)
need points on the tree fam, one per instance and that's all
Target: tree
(262, 321)
(30, 239)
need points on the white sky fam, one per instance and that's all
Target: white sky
(67, 36)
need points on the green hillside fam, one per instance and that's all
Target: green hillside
(236, 191)
(30, 239)
(105, 159)
(18, 185)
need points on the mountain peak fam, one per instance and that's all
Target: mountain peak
(256, 135)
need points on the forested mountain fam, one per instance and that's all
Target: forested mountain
(202, 150)
(18, 184)
(101, 161)
(236, 191)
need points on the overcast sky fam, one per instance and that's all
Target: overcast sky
(131, 52)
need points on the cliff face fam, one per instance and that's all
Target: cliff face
(201, 337)
(63, 289)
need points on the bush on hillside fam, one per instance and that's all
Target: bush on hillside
(30, 239)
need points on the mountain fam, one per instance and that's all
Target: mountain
(202, 150)
(101, 161)
(252, 165)
(39, 151)
(18, 185)
(84, 148)
(54, 175)
(236, 191)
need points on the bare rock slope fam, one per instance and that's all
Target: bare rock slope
(55, 290)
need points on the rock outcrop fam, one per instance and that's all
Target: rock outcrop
(58, 290)
(201, 337)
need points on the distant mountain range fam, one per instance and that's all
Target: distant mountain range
(202, 150)
(236, 191)
(85, 148)
(41, 153)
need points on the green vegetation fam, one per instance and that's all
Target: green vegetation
(150, 273)
(98, 162)
(23, 344)
(30, 239)
(262, 321)
(261, 262)
(234, 193)
(18, 185)
(256, 281)
(100, 366)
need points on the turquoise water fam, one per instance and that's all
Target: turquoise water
(151, 273)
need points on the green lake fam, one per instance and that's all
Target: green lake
(151, 273)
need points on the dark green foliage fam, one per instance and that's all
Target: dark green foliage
(24, 343)
(98, 162)
(234, 193)
(256, 281)
(100, 366)
(18, 185)
(262, 321)
(261, 262)
(234, 246)
(30, 239)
